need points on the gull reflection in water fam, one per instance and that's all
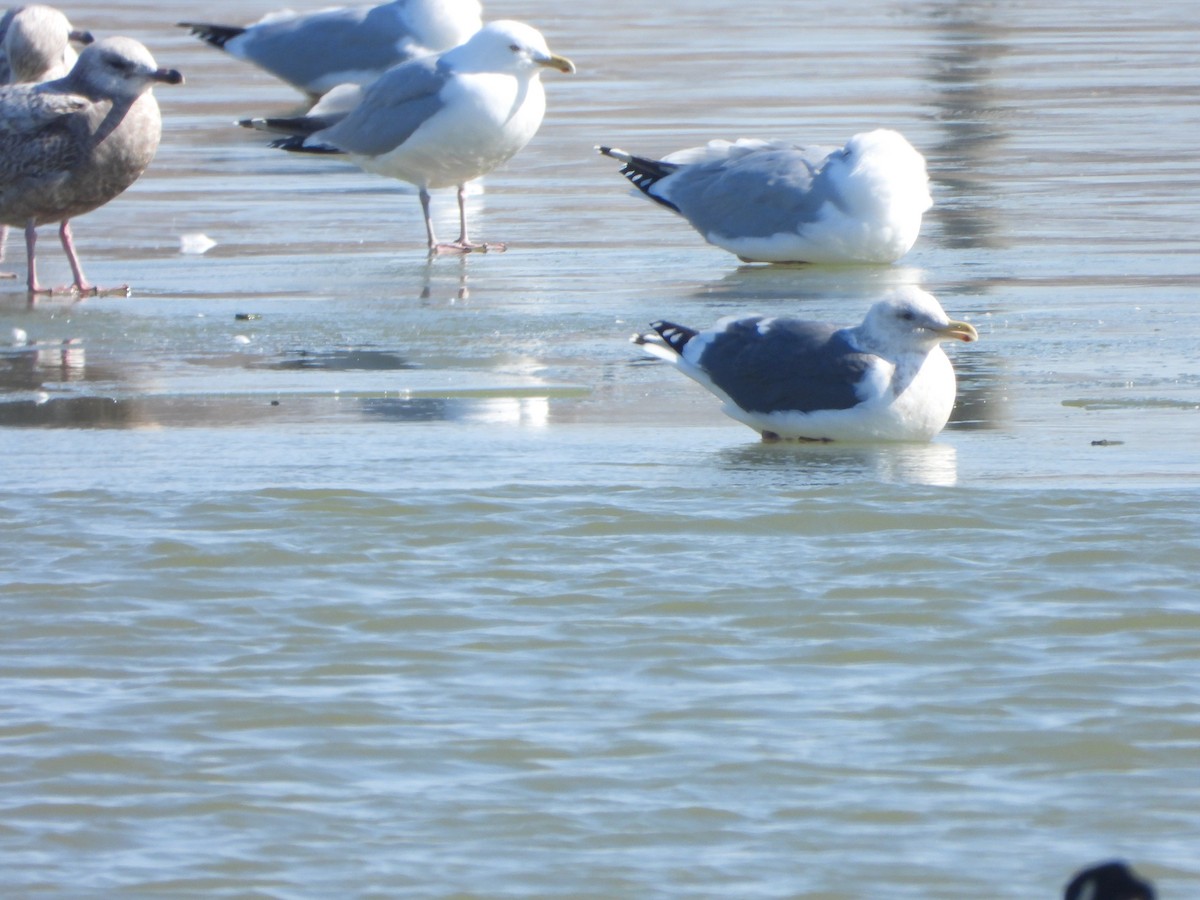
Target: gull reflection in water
(525, 411)
(794, 285)
(66, 358)
(933, 464)
(33, 365)
(451, 288)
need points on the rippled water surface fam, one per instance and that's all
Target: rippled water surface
(331, 571)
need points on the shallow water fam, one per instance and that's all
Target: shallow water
(333, 571)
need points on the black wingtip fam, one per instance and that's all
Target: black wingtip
(215, 35)
(293, 126)
(295, 144)
(675, 336)
(642, 172)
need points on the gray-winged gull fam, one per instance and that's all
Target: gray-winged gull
(71, 145)
(886, 379)
(771, 201)
(444, 120)
(317, 51)
(1108, 881)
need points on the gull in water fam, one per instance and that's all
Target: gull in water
(771, 201)
(441, 120)
(1108, 881)
(886, 379)
(319, 50)
(69, 146)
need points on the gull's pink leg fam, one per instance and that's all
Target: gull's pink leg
(463, 244)
(80, 285)
(31, 258)
(462, 216)
(68, 245)
(424, 195)
(3, 242)
(463, 240)
(462, 234)
(436, 249)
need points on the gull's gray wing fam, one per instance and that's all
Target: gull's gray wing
(307, 48)
(774, 365)
(756, 194)
(391, 109)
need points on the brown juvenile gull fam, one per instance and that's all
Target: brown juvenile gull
(886, 379)
(71, 145)
(319, 50)
(442, 120)
(35, 45)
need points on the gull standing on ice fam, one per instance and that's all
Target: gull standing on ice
(35, 45)
(317, 51)
(444, 120)
(886, 379)
(71, 145)
(771, 201)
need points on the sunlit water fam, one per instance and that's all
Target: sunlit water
(329, 571)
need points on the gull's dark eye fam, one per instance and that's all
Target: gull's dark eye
(515, 48)
(908, 315)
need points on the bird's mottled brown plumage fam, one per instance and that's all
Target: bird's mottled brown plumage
(71, 145)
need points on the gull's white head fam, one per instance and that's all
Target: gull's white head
(910, 320)
(506, 46)
(440, 24)
(883, 169)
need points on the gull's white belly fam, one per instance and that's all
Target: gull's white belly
(486, 120)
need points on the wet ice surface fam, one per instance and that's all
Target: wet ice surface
(331, 565)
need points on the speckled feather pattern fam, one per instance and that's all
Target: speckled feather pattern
(63, 154)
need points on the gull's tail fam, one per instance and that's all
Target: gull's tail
(642, 172)
(298, 143)
(666, 340)
(216, 35)
(329, 110)
(294, 126)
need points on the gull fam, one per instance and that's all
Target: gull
(886, 379)
(317, 51)
(71, 145)
(1108, 881)
(35, 44)
(772, 201)
(443, 120)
